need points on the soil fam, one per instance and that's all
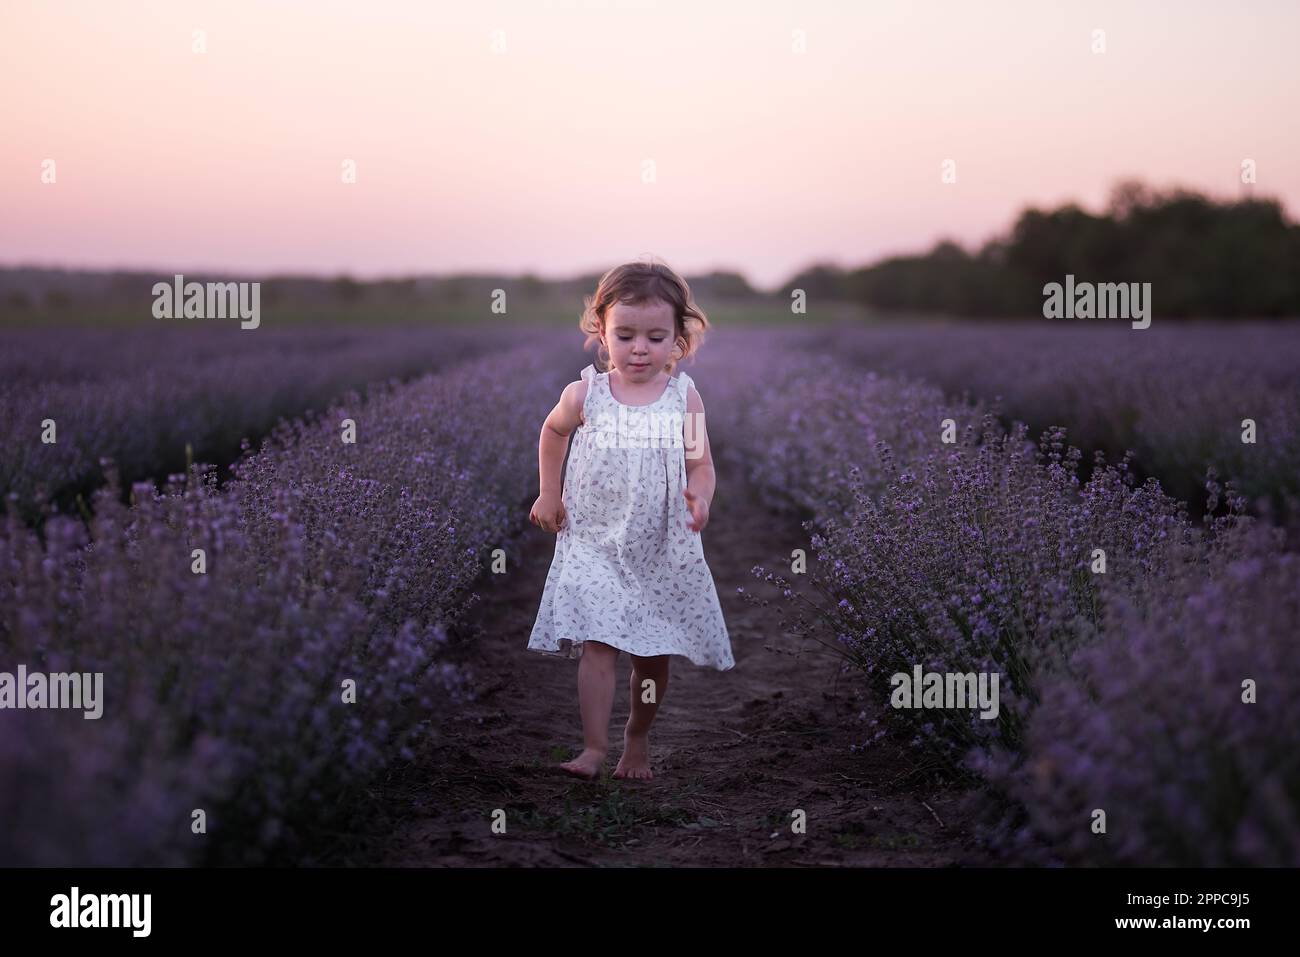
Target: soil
(733, 753)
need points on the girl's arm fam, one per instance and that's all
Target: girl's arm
(554, 440)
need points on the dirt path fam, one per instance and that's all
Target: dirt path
(734, 753)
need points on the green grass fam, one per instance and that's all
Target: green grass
(611, 820)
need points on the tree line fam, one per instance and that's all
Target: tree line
(1203, 258)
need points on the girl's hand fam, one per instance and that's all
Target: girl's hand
(548, 513)
(699, 507)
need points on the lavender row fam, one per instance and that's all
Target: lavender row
(1125, 635)
(1180, 724)
(331, 570)
(141, 396)
(1176, 397)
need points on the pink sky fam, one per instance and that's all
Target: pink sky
(531, 159)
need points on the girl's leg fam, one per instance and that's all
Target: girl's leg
(649, 681)
(595, 701)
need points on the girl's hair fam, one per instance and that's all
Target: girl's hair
(637, 282)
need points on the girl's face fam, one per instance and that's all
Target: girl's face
(640, 338)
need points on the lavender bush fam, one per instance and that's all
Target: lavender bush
(803, 417)
(1175, 396)
(1150, 724)
(223, 691)
(140, 396)
(979, 556)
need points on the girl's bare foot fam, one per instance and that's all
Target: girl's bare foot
(635, 762)
(586, 765)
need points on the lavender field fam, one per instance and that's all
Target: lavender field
(952, 489)
(141, 395)
(1176, 396)
(1122, 690)
(325, 563)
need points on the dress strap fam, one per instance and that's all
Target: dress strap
(589, 376)
(684, 382)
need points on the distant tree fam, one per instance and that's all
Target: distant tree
(727, 285)
(1127, 195)
(531, 286)
(347, 289)
(820, 281)
(1202, 257)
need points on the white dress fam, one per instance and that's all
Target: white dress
(627, 571)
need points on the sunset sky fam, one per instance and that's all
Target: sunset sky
(766, 160)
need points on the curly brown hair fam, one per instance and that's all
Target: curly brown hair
(639, 282)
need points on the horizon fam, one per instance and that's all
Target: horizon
(473, 273)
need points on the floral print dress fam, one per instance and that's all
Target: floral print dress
(627, 571)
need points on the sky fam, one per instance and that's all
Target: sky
(562, 137)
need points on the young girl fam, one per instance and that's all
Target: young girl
(629, 571)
